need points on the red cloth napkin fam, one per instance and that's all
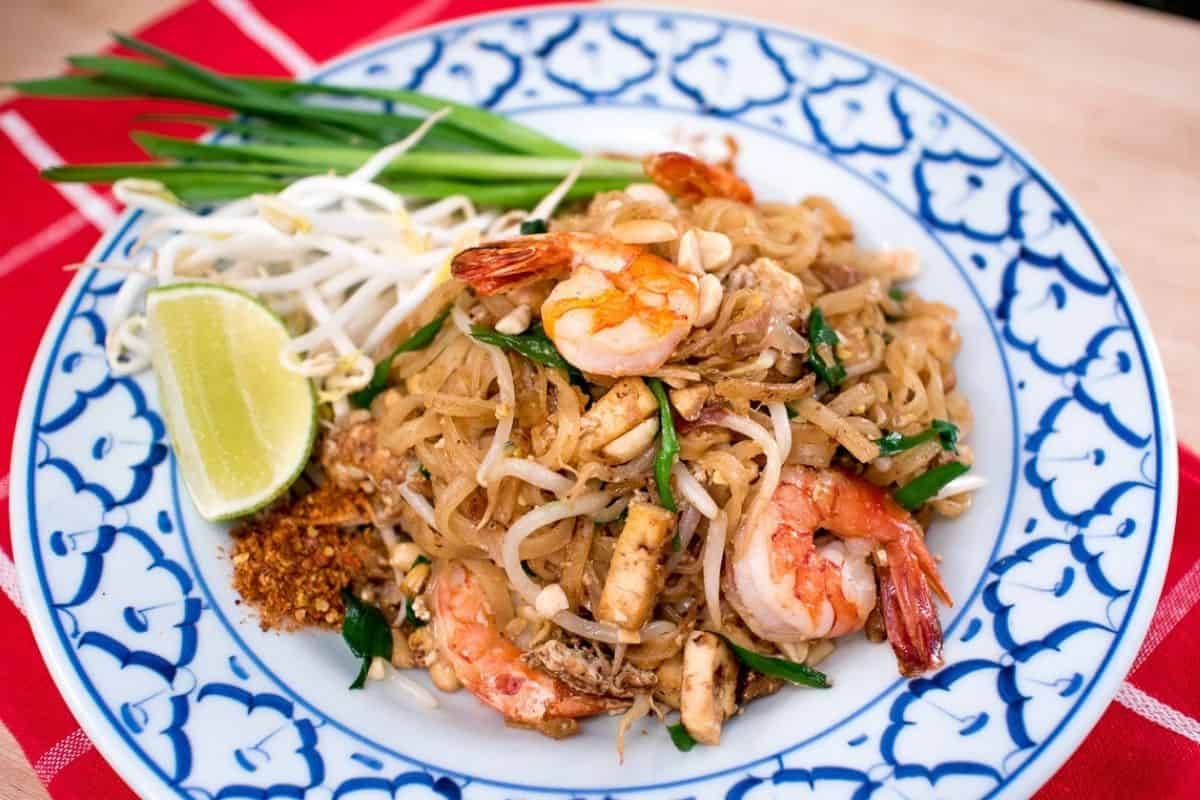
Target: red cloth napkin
(1147, 744)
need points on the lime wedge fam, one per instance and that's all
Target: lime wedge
(242, 425)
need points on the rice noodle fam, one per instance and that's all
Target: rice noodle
(769, 479)
(508, 399)
(530, 523)
(714, 552)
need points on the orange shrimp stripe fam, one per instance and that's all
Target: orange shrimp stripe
(645, 274)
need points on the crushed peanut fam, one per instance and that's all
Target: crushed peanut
(293, 574)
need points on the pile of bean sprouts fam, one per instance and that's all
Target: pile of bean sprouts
(341, 259)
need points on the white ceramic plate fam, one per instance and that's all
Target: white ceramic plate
(1055, 571)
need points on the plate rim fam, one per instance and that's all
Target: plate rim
(1046, 758)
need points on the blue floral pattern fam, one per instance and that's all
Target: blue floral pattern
(1055, 602)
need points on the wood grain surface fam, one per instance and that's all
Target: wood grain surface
(1104, 96)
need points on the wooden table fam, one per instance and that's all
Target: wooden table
(1104, 96)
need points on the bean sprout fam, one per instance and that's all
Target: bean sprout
(692, 491)
(782, 427)
(965, 483)
(416, 501)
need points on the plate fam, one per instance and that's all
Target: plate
(1055, 571)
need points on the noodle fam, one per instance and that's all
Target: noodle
(714, 550)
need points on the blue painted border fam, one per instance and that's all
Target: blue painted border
(31, 509)
(1035, 174)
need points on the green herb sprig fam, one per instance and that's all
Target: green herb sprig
(532, 227)
(366, 632)
(790, 671)
(820, 333)
(682, 740)
(534, 344)
(668, 451)
(945, 432)
(421, 338)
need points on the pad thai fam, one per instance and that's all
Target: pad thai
(658, 452)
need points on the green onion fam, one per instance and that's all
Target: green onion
(161, 170)
(190, 185)
(421, 468)
(72, 86)
(528, 570)
(668, 450)
(421, 338)
(506, 133)
(198, 183)
(896, 294)
(791, 412)
(946, 433)
(419, 560)
(183, 66)
(262, 130)
(505, 163)
(680, 737)
(921, 488)
(819, 333)
(790, 671)
(347, 125)
(472, 166)
(534, 344)
(366, 632)
(532, 227)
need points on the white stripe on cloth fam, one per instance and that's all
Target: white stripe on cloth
(58, 757)
(39, 153)
(281, 47)
(1158, 712)
(8, 570)
(56, 232)
(1173, 607)
(8, 581)
(414, 16)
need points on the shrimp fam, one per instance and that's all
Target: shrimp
(789, 589)
(618, 310)
(491, 666)
(689, 178)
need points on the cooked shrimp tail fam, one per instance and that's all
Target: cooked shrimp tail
(689, 178)
(912, 625)
(510, 264)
